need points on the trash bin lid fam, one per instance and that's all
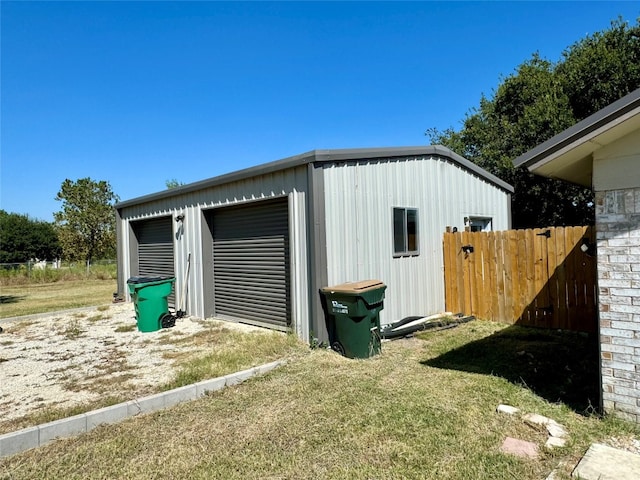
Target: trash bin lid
(355, 287)
(146, 279)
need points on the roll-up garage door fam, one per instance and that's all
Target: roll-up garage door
(155, 249)
(251, 263)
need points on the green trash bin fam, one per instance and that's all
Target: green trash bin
(149, 295)
(353, 317)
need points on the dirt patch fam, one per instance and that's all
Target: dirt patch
(64, 360)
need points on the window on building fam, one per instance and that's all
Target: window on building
(405, 231)
(479, 224)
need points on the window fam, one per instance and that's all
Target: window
(479, 224)
(405, 231)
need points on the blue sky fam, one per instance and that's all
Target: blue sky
(140, 93)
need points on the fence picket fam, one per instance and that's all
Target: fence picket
(552, 282)
(523, 276)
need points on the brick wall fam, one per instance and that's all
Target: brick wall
(618, 236)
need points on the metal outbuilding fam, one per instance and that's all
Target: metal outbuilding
(257, 245)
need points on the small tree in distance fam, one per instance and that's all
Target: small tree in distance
(86, 223)
(173, 183)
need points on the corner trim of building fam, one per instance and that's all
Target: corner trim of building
(318, 275)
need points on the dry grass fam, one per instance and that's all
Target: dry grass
(51, 297)
(401, 415)
(234, 351)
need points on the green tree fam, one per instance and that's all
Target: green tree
(539, 100)
(173, 183)
(23, 239)
(601, 68)
(86, 223)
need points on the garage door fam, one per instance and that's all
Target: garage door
(251, 263)
(155, 249)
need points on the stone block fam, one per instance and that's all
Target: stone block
(19, 441)
(65, 427)
(618, 365)
(213, 385)
(627, 395)
(520, 448)
(624, 258)
(617, 348)
(623, 242)
(606, 372)
(179, 395)
(239, 377)
(267, 367)
(614, 332)
(617, 382)
(622, 325)
(107, 415)
(614, 301)
(536, 419)
(602, 462)
(624, 403)
(623, 357)
(626, 416)
(507, 409)
(632, 340)
(556, 430)
(622, 308)
(625, 292)
(626, 375)
(620, 316)
(144, 405)
(555, 442)
(616, 283)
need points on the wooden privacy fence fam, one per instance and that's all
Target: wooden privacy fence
(542, 278)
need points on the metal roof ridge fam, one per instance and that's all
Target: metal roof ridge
(319, 156)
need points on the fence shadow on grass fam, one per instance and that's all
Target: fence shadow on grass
(558, 366)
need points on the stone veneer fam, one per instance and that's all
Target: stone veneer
(618, 236)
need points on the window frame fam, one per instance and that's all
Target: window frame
(405, 235)
(485, 223)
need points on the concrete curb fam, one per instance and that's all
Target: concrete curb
(33, 437)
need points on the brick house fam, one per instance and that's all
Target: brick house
(603, 152)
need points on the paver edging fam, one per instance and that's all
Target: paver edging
(33, 437)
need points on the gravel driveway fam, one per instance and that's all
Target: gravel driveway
(66, 359)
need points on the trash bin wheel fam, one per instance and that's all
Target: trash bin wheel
(167, 320)
(337, 347)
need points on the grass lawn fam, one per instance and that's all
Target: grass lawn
(17, 300)
(423, 409)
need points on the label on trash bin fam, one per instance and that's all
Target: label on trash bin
(338, 307)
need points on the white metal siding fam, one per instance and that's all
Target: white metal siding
(188, 237)
(359, 200)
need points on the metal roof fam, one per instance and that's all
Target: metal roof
(577, 143)
(321, 156)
